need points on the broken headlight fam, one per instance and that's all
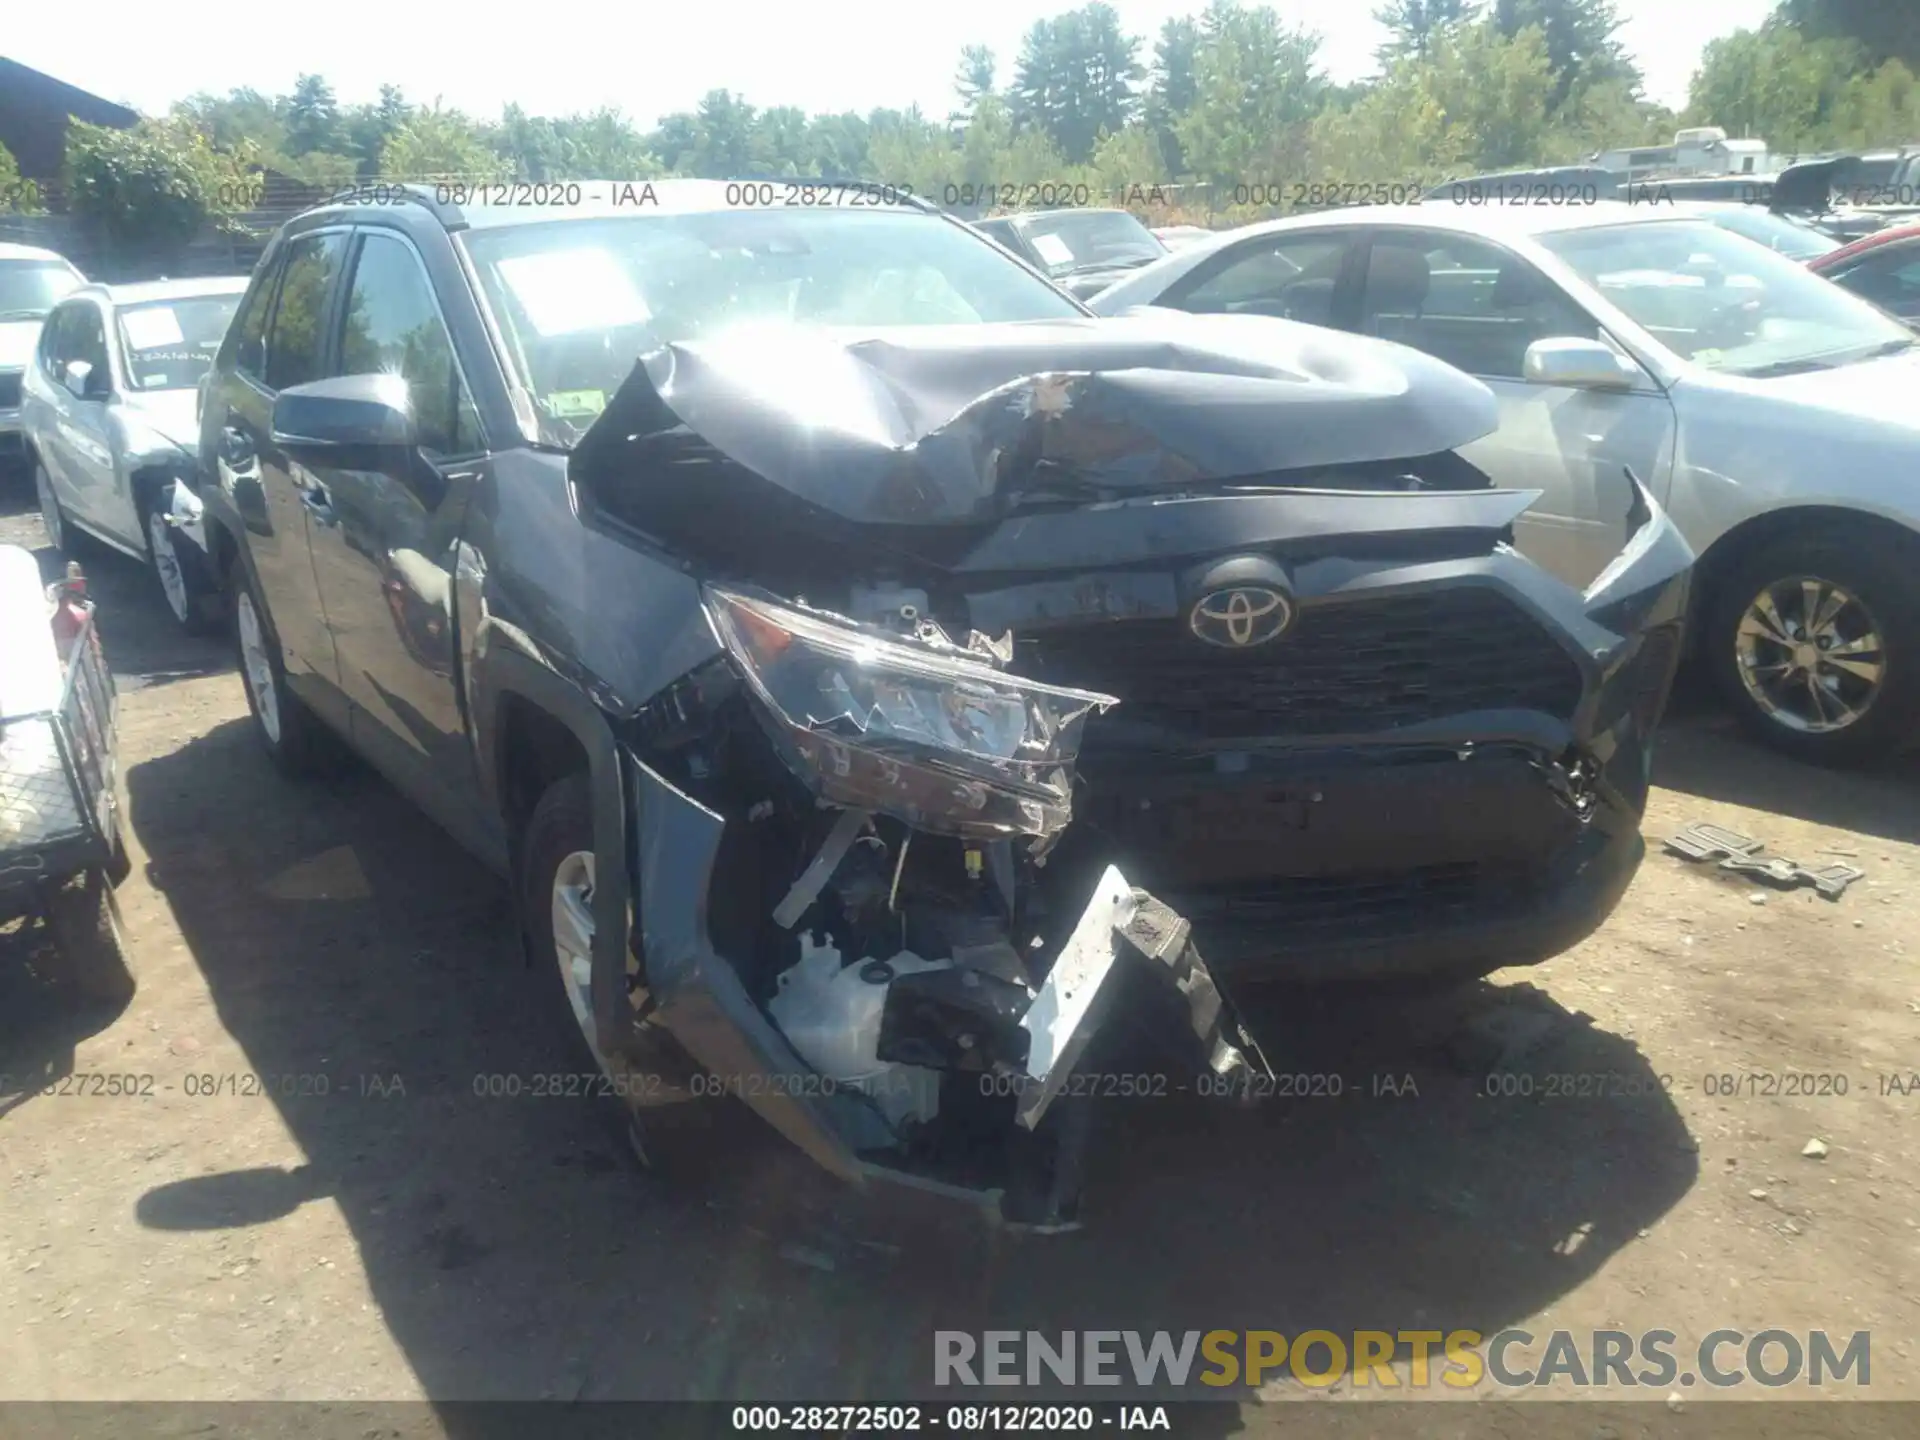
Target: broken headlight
(933, 734)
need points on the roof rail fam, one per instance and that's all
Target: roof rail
(395, 192)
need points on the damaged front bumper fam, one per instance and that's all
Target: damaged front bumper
(695, 996)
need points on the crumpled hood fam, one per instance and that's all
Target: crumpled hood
(957, 424)
(17, 338)
(173, 414)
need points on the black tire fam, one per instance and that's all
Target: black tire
(62, 538)
(200, 587)
(302, 746)
(562, 825)
(84, 925)
(1874, 569)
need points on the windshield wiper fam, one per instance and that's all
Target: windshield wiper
(6, 315)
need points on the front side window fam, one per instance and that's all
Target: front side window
(250, 325)
(1724, 302)
(1288, 276)
(170, 344)
(393, 327)
(577, 301)
(294, 342)
(31, 288)
(1465, 301)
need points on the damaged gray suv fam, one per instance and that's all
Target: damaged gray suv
(884, 682)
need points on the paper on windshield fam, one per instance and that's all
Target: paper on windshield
(152, 327)
(1052, 249)
(562, 291)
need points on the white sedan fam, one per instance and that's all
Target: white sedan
(109, 415)
(1775, 416)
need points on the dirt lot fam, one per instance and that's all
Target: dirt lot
(399, 1236)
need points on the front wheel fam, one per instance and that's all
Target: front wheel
(1816, 644)
(51, 517)
(186, 579)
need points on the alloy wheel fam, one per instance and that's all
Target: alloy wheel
(166, 564)
(258, 665)
(573, 938)
(1810, 655)
(49, 507)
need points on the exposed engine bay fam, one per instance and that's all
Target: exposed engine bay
(891, 796)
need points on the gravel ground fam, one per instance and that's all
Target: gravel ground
(399, 1236)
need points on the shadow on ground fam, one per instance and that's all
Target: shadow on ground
(518, 1252)
(1702, 751)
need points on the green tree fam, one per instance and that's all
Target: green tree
(438, 143)
(369, 127)
(973, 82)
(1414, 25)
(1775, 83)
(1076, 79)
(1580, 37)
(1884, 29)
(1257, 89)
(1171, 88)
(313, 118)
(150, 189)
(18, 196)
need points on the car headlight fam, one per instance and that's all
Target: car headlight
(934, 735)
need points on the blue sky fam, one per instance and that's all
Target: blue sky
(649, 59)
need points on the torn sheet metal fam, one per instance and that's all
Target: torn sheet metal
(1741, 855)
(1057, 1020)
(911, 429)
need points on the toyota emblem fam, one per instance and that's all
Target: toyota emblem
(1241, 617)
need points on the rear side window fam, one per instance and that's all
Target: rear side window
(296, 339)
(250, 326)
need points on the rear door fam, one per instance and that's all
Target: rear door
(279, 340)
(1478, 306)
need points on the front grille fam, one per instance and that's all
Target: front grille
(1343, 668)
(9, 389)
(1357, 906)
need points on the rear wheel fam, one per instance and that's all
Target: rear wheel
(50, 513)
(292, 735)
(1816, 644)
(84, 924)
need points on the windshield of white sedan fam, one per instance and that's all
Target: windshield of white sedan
(171, 344)
(1725, 302)
(577, 301)
(30, 288)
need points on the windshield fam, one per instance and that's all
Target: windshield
(1722, 301)
(578, 300)
(170, 344)
(1090, 240)
(30, 288)
(1793, 240)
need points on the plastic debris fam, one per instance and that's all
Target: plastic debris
(1741, 855)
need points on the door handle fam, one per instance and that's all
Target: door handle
(314, 497)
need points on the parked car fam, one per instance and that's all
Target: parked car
(32, 282)
(1083, 251)
(768, 593)
(1771, 412)
(1883, 268)
(1782, 234)
(110, 419)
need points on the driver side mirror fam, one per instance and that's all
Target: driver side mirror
(82, 383)
(347, 412)
(1579, 363)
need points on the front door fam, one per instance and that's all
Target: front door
(384, 540)
(1478, 306)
